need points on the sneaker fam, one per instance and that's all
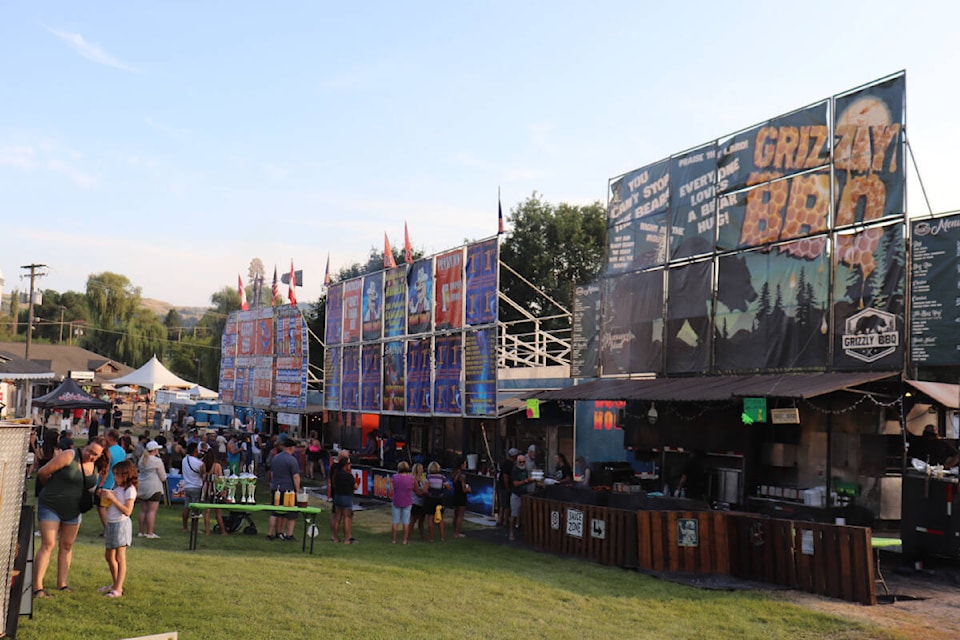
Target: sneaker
(270, 537)
(141, 535)
(289, 538)
(152, 536)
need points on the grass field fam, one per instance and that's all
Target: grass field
(248, 587)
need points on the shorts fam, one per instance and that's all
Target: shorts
(430, 505)
(191, 495)
(285, 515)
(343, 501)
(156, 497)
(118, 534)
(48, 514)
(515, 503)
(417, 510)
(401, 515)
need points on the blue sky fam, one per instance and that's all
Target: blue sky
(175, 141)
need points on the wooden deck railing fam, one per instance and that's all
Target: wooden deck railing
(830, 560)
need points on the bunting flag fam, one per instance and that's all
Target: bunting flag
(388, 260)
(499, 213)
(407, 251)
(292, 286)
(326, 275)
(243, 294)
(275, 289)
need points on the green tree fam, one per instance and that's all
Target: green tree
(554, 247)
(174, 324)
(119, 328)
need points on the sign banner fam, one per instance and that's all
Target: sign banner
(480, 369)
(350, 382)
(449, 293)
(393, 377)
(637, 218)
(333, 332)
(689, 337)
(263, 341)
(418, 376)
(395, 303)
(372, 306)
(868, 293)
(370, 383)
(481, 276)
(631, 332)
(292, 363)
(693, 190)
(448, 366)
(352, 292)
(331, 378)
(935, 291)
(584, 343)
(419, 296)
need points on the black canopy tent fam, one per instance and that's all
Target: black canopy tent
(69, 395)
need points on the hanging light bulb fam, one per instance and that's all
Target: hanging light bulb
(652, 414)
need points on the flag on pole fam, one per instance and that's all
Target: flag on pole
(243, 294)
(257, 289)
(275, 289)
(407, 251)
(388, 260)
(292, 286)
(326, 275)
(499, 213)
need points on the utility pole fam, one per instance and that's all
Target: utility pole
(62, 309)
(33, 276)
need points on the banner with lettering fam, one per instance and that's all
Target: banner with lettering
(331, 378)
(372, 306)
(293, 360)
(448, 366)
(418, 376)
(480, 372)
(333, 332)
(693, 189)
(419, 296)
(395, 302)
(637, 218)
(935, 291)
(584, 342)
(631, 332)
(393, 377)
(868, 152)
(481, 278)
(352, 293)
(370, 383)
(350, 383)
(449, 291)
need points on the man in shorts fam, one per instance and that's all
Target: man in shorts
(521, 480)
(284, 475)
(192, 480)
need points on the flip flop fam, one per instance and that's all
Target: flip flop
(41, 593)
(113, 593)
(65, 588)
(105, 588)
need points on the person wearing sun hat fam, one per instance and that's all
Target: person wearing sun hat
(152, 476)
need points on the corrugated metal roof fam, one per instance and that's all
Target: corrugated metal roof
(944, 393)
(716, 388)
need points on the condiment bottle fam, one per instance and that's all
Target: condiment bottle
(276, 498)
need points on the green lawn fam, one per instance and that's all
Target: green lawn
(248, 587)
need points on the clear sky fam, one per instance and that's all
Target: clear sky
(174, 141)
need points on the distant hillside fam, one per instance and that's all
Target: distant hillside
(189, 315)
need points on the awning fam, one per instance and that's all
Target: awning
(716, 388)
(943, 393)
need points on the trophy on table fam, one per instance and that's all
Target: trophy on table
(219, 483)
(248, 488)
(232, 482)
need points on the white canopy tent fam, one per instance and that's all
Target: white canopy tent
(199, 392)
(153, 375)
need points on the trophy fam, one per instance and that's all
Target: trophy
(248, 488)
(232, 482)
(219, 483)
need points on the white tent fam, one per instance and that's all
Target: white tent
(199, 392)
(153, 376)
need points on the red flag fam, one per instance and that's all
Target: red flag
(499, 214)
(243, 294)
(388, 260)
(407, 251)
(275, 289)
(292, 287)
(326, 275)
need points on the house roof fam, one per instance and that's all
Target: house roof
(13, 367)
(62, 359)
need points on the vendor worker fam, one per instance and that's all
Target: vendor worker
(935, 450)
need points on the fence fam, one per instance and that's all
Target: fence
(826, 559)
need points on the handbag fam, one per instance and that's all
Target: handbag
(86, 495)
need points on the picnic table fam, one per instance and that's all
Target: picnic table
(309, 517)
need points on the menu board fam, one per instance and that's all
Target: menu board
(935, 292)
(586, 329)
(480, 369)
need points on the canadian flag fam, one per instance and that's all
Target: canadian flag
(243, 294)
(292, 286)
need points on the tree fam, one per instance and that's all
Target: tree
(554, 247)
(120, 328)
(373, 264)
(256, 269)
(174, 325)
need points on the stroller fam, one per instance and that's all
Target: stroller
(233, 520)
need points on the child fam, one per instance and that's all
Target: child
(119, 531)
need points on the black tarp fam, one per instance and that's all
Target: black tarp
(69, 395)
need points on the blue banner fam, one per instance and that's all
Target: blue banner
(420, 297)
(480, 366)
(448, 365)
(350, 389)
(393, 377)
(372, 323)
(418, 376)
(481, 291)
(370, 382)
(395, 303)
